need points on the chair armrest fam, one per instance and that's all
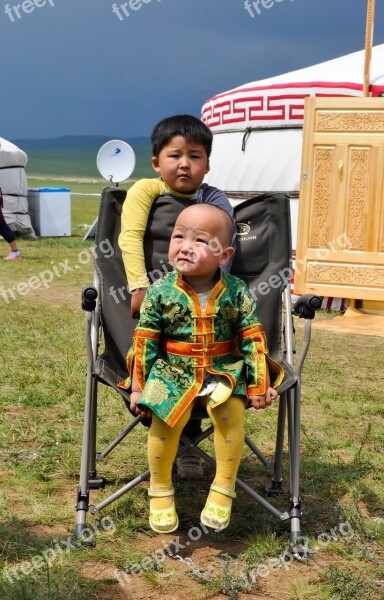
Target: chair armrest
(306, 305)
(88, 298)
(290, 378)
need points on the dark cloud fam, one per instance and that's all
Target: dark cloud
(77, 67)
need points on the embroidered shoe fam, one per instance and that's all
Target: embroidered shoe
(214, 515)
(189, 466)
(163, 520)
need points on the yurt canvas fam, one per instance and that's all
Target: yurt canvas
(257, 128)
(13, 182)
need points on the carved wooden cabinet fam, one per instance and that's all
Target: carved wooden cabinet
(340, 243)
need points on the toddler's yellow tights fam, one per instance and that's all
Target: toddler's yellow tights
(228, 421)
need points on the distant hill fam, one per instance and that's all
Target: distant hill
(75, 156)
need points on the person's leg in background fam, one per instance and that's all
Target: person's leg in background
(7, 233)
(189, 465)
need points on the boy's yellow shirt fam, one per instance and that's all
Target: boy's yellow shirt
(136, 208)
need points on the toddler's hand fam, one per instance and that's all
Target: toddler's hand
(136, 300)
(134, 399)
(264, 400)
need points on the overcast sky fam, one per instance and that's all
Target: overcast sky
(88, 67)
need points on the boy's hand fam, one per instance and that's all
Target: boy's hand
(264, 400)
(134, 399)
(136, 300)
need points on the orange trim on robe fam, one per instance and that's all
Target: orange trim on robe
(177, 342)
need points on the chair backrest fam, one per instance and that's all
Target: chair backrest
(263, 252)
(115, 300)
(263, 257)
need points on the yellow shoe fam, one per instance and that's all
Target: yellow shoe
(214, 515)
(163, 520)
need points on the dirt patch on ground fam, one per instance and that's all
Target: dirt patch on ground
(48, 532)
(177, 579)
(203, 570)
(197, 565)
(13, 411)
(69, 494)
(374, 512)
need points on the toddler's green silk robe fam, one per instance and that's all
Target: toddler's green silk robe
(176, 342)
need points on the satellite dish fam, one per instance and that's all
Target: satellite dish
(115, 161)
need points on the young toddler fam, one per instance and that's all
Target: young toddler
(198, 341)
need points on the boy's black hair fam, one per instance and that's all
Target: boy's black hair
(188, 126)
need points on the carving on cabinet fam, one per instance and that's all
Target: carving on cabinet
(346, 275)
(321, 197)
(351, 122)
(357, 197)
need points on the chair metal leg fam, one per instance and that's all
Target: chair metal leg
(294, 461)
(92, 431)
(82, 504)
(95, 482)
(276, 487)
(265, 461)
(87, 468)
(294, 408)
(129, 486)
(118, 439)
(92, 344)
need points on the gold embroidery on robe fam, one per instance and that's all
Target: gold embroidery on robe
(225, 339)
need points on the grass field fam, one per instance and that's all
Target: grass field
(80, 161)
(42, 373)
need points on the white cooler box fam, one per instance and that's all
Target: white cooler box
(50, 211)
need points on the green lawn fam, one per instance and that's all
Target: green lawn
(79, 187)
(42, 374)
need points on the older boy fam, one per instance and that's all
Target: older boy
(181, 146)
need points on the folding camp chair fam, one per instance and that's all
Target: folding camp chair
(263, 260)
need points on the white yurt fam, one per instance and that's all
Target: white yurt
(257, 127)
(13, 183)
